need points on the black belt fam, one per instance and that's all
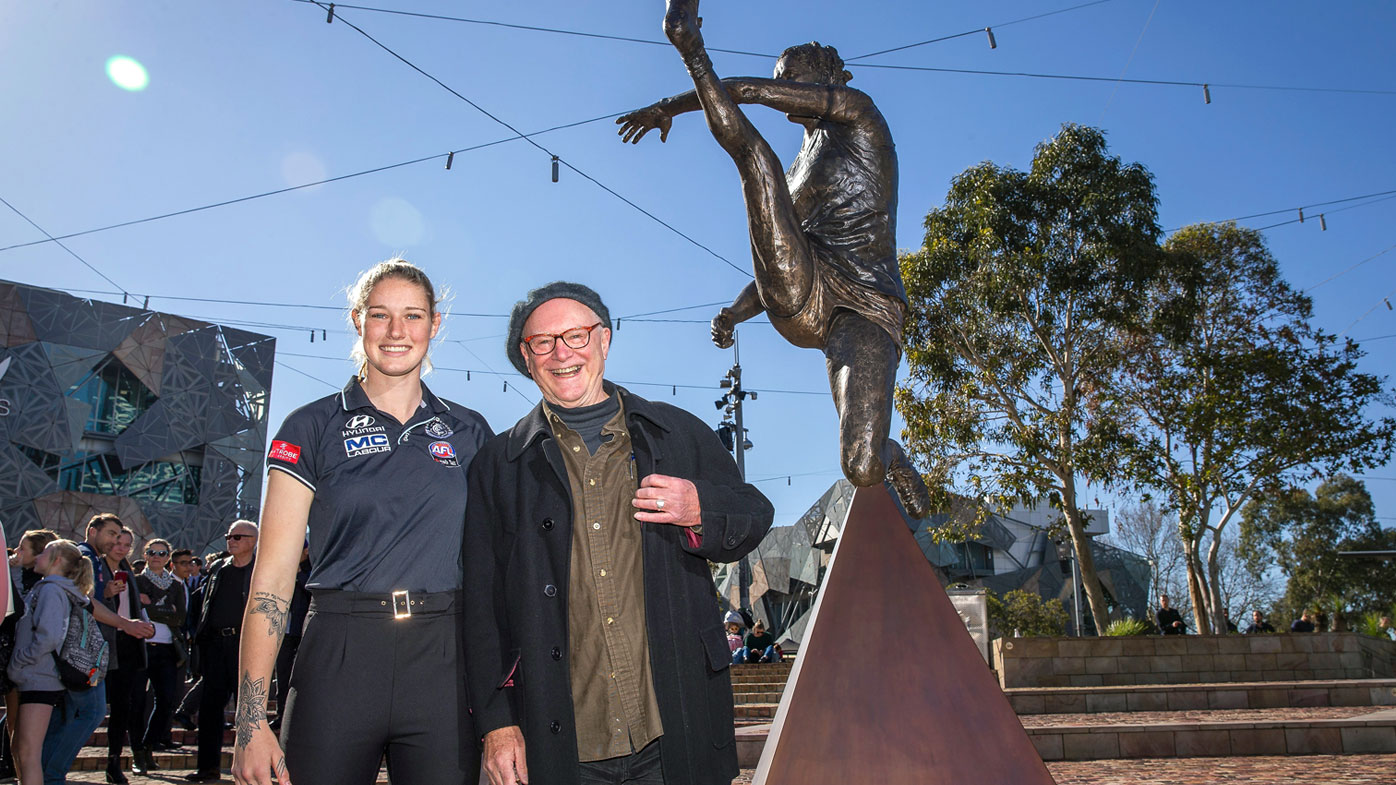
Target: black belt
(221, 632)
(401, 604)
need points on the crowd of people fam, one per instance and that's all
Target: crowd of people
(150, 614)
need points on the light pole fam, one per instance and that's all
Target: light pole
(734, 438)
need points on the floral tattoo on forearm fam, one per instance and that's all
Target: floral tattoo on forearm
(274, 608)
(252, 708)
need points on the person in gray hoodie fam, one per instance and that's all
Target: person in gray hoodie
(67, 581)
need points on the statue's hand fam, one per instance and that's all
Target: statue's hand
(723, 329)
(635, 125)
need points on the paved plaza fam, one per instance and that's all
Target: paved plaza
(1294, 770)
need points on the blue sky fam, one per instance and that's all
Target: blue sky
(246, 98)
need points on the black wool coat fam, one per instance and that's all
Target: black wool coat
(516, 557)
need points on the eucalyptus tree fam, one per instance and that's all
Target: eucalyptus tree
(1017, 300)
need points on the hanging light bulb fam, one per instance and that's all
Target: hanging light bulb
(330, 17)
(992, 43)
(1322, 223)
(450, 158)
(1206, 94)
(554, 168)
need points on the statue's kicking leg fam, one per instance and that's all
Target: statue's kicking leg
(783, 265)
(862, 360)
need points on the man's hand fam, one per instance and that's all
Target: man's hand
(503, 758)
(138, 629)
(664, 499)
(635, 125)
(723, 329)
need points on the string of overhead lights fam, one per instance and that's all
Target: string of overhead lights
(555, 159)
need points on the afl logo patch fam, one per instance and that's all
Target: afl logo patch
(437, 429)
(443, 453)
(360, 421)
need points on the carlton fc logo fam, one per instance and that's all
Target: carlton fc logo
(361, 421)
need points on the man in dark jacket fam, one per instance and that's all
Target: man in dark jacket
(1170, 622)
(594, 645)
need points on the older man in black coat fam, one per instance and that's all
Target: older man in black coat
(594, 642)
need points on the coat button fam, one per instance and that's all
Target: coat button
(547, 524)
(557, 653)
(555, 726)
(550, 590)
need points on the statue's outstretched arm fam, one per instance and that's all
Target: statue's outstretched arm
(747, 305)
(839, 104)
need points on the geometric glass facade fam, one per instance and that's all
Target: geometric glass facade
(109, 408)
(788, 567)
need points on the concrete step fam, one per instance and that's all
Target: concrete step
(755, 697)
(95, 759)
(1182, 697)
(746, 711)
(1317, 731)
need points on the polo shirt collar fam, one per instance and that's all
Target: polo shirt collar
(353, 397)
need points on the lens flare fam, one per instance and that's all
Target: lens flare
(126, 73)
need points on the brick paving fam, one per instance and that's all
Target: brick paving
(1305, 770)
(1198, 716)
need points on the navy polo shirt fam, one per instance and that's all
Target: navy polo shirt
(389, 503)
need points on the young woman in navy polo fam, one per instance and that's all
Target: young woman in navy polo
(377, 474)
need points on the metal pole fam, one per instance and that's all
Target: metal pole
(739, 443)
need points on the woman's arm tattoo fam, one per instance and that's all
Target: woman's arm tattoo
(252, 708)
(275, 609)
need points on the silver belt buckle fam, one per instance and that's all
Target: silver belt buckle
(402, 604)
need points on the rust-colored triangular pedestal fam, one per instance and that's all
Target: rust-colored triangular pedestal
(889, 686)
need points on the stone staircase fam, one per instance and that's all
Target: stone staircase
(1284, 716)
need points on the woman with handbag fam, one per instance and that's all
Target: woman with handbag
(67, 585)
(162, 597)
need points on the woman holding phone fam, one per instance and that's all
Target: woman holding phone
(128, 676)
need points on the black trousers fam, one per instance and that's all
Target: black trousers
(643, 767)
(285, 661)
(163, 674)
(125, 699)
(220, 663)
(366, 685)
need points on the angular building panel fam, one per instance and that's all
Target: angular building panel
(158, 418)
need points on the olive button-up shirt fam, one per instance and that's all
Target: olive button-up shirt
(613, 696)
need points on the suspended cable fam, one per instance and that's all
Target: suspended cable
(1322, 217)
(530, 140)
(976, 31)
(490, 371)
(70, 251)
(1130, 61)
(1079, 78)
(327, 180)
(1376, 255)
(1300, 210)
(531, 28)
(303, 373)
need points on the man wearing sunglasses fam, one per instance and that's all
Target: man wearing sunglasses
(217, 635)
(594, 649)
